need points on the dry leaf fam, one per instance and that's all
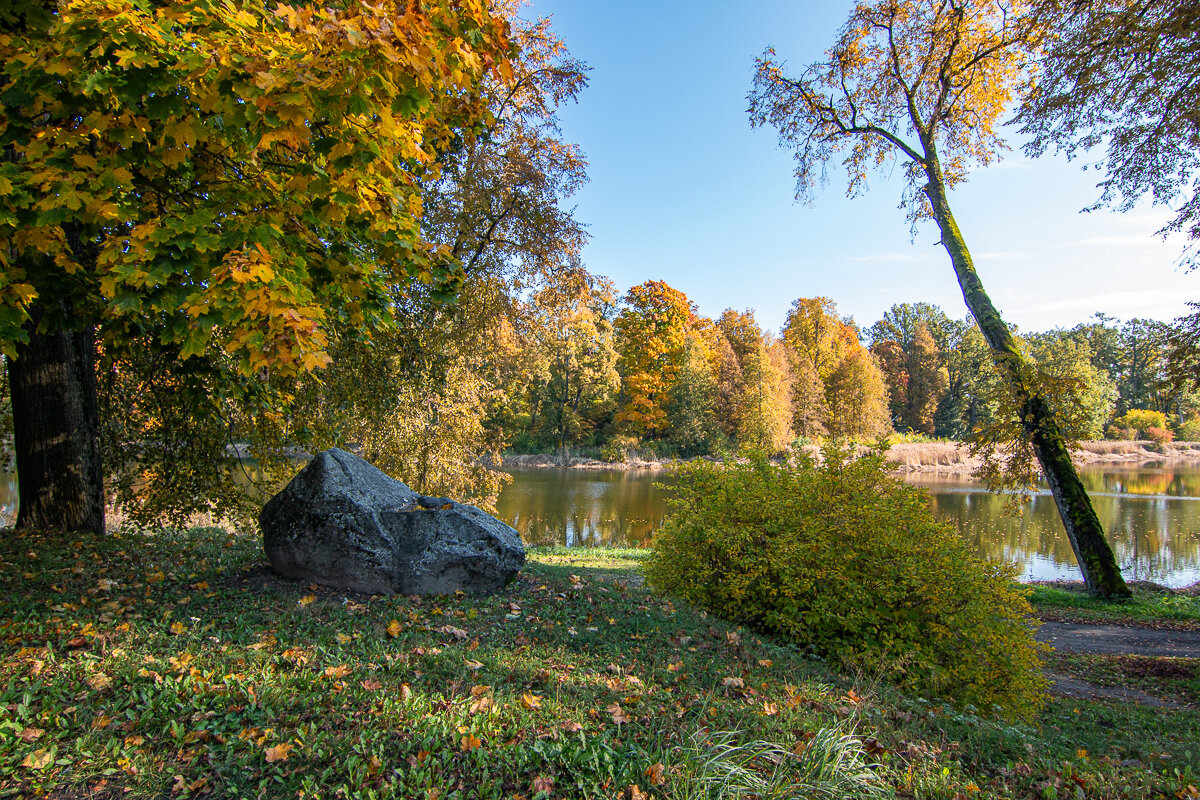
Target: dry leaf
(77, 642)
(307, 600)
(30, 735)
(340, 671)
(280, 752)
(654, 774)
(394, 628)
(733, 683)
(571, 726)
(371, 685)
(765, 662)
(457, 633)
(474, 666)
(38, 759)
(177, 628)
(543, 783)
(531, 701)
(470, 742)
(678, 665)
(405, 691)
(343, 638)
(733, 638)
(99, 681)
(770, 709)
(618, 714)
(634, 793)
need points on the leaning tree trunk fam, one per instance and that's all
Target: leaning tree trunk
(1096, 560)
(56, 427)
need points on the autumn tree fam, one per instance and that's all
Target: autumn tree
(211, 179)
(926, 82)
(652, 330)
(1121, 75)
(909, 343)
(692, 424)
(574, 341)
(760, 406)
(826, 348)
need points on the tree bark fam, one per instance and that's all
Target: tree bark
(56, 427)
(1096, 560)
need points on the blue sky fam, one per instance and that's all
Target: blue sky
(683, 190)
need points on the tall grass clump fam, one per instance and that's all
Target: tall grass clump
(848, 561)
(832, 765)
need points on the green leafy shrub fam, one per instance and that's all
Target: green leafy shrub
(1190, 431)
(849, 561)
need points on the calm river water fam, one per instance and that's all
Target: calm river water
(1152, 516)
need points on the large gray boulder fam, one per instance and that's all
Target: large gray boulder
(342, 522)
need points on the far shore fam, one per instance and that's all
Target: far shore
(923, 457)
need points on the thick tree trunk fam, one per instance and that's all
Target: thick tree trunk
(1096, 560)
(56, 429)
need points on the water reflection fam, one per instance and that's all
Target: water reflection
(584, 507)
(1153, 516)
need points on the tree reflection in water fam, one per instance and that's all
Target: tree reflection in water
(1152, 515)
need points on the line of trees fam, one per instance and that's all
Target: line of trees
(647, 371)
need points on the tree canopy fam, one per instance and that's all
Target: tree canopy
(1123, 76)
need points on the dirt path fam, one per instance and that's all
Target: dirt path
(1115, 640)
(1112, 640)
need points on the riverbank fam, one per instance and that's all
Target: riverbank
(928, 457)
(174, 663)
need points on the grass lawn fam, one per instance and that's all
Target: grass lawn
(171, 664)
(1150, 605)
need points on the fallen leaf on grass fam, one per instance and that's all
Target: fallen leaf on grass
(77, 643)
(618, 714)
(343, 638)
(733, 683)
(394, 628)
(450, 630)
(543, 783)
(340, 671)
(654, 774)
(177, 628)
(531, 701)
(571, 726)
(371, 685)
(765, 662)
(100, 682)
(472, 665)
(770, 709)
(405, 692)
(470, 742)
(30, 735)
(38, 759)
(634, 793)
(279, 752)
(307, 600)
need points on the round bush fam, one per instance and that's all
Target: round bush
(847, 560)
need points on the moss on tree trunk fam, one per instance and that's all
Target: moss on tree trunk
(1092, 551)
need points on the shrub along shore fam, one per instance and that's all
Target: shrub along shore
(172, 663)
(906, 456)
